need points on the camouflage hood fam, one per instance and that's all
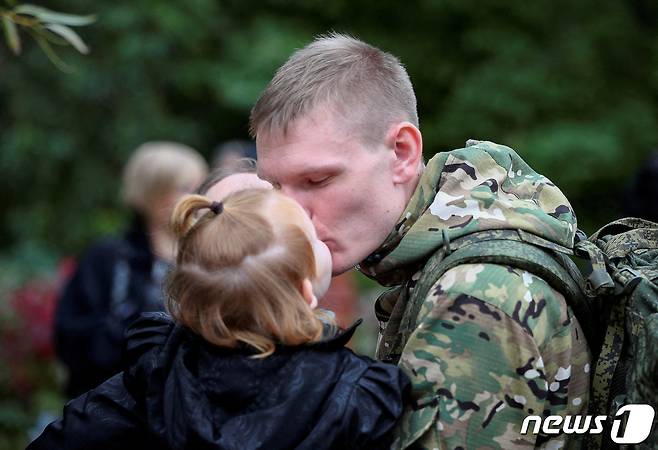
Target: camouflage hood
(484, 186)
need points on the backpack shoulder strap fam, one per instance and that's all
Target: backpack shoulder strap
(505, 248)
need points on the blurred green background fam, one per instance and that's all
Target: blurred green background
(572, 86)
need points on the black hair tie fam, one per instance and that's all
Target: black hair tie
(216, 207)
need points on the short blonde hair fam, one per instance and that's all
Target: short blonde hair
(368, 87)
(160, 167)
(238, 274)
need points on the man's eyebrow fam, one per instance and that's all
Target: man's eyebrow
(304, 172)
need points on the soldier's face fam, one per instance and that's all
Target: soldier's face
(347, 188)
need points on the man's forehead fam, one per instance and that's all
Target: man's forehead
(323, 123)
(305, 153)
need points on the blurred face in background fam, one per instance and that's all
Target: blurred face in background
(158, 209)
(157, 174)
(353, 192)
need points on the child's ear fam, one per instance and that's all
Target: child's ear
(307, 293)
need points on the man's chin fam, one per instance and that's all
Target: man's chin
(339, 267)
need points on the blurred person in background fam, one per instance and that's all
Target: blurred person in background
(120, 277)
(641, 196)
(231, 152)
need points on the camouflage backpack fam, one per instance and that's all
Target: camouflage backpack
(615, 300)
(622, 290)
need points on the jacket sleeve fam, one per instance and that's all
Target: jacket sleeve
(103, 418)
(375, 406)
(475, 367)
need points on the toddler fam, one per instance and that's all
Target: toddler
(246, 363)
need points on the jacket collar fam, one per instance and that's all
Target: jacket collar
(335, 337)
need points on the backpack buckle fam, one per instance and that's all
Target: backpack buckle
(580, 236)
(629, 278)
(633, 273)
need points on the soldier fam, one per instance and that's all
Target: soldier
(485, 344)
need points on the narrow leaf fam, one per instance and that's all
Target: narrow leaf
(53, 38)
(50, 53)
(46, 15)
(13, 40)
(70, 36)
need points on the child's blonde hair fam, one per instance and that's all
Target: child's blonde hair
(239, 274)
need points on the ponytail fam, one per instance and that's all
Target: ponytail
(184, 216)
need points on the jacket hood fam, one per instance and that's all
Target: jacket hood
(196, 395)
(484, 186)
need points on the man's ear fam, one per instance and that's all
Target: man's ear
(307, 293)
(407, 142)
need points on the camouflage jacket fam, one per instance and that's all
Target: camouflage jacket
(491, 344)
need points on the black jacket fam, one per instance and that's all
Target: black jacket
(116, 280)
(183, 393)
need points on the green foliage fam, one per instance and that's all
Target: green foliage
(29, 375)
(47, 27)
(571, 86)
